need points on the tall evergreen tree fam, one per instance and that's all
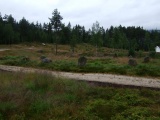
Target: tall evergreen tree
(56, 25)
(8, 34)
(24, 29)
(96, 35)
(66, 34)
(147, 42)
(11, 20)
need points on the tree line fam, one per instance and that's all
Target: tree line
(137, 38)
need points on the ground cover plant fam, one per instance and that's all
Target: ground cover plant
(35, 96)
(30, 56)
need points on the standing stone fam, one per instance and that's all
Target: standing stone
(82, 61)
(132, 62)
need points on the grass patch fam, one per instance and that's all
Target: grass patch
(93, 65)
(37, 96)
(147, 70)
(105, 63)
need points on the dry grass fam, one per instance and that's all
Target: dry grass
(105, 62)
(64, 51)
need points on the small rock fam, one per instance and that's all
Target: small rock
(43, 44)
(46, 60)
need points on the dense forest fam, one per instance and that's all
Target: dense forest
(137, 38)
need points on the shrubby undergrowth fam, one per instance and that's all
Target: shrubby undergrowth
(37, 96)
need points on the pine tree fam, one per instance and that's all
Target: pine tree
(56, 25)
(24, 29)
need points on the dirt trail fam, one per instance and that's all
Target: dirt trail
(3, 49)
(103, 78)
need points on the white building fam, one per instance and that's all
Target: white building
(157, 49)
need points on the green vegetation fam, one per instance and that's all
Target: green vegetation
(96, 65)
(99, 44)
(56, 25)
(131, 52)
(35, 96)
(56, 32)
(152, 54)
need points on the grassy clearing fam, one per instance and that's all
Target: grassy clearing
(35, 96)
(105, 63)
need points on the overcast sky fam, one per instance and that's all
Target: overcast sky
(144, 13)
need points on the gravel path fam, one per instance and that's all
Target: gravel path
(3, 49)
(103, 78)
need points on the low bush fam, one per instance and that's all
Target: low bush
(39, 84)
(39, 107)
(131, 52)
(122, 70)
(145, 70)
(37, 96)
(93, 67)
(137, 113)
(100, 108)
(15, 60)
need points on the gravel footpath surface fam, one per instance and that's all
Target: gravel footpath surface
(3, 49)
(93, 77)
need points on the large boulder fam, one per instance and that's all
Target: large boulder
(82, 61)
(132, 62)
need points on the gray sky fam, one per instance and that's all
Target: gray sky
(144, 13)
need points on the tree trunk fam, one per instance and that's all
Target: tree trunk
(56, 43)
(96, 50)
(56, 48)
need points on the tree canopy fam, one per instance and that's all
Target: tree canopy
(120, 37)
